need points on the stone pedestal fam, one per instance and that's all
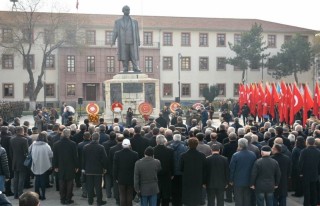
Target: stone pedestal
(131, 89)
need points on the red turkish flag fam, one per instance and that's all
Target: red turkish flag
(308, 103)
(296, 103)
(260, 99)
(284, 96)
(316, 100)
(242, 95)
(267, 99)
(253, 99)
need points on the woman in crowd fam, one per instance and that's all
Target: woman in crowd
(41, 162)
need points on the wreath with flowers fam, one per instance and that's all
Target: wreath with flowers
(94, 118)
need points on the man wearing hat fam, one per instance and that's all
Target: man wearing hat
(265, 177)
(145, 177)
(123, 170)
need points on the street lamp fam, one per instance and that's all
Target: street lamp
(179, 68)
(14, 6)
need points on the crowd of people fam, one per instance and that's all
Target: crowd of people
(166, 160)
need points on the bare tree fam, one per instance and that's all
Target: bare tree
(26, 30)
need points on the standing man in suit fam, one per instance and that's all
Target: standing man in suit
(123, 170)
(94, 165)
(126, 30)
(18, 151)
(165, 156)
(65, 163)
(217, 176)
(309, 169)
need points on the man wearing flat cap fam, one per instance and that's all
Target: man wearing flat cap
(265, 177)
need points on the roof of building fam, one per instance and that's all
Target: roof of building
(174, 23)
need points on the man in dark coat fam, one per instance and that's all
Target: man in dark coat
(86, 140)
(5, 138)
(265, 177)
(217, 176)
(77, 138)
(123, 172)
(18, 151)
(161, 121)
(281, 193)
(65, 163)
(228, 150)
(309, 169)
(155, 133)
(138, 143)
(94, 164)
(193, 171)
(110, 181)
(108, 176)
(165, 156)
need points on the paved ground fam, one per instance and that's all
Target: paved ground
(53, 196)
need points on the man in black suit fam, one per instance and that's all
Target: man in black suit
(94, 165)
(217, 176)
(165, 156)
(111, 181)
(86, 140)
(65, 163)
(309, 169)
(138, 143)
(228, 150)
(123, 171)
(18, 151)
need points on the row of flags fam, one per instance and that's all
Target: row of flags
(288, 98)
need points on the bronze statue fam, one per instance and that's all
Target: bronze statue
(126, 30)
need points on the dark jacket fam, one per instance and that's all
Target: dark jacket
(4, 166)
(123, 166)
(94, 159)
(80, 150)
(18, 150)
(111, 154)
(229, 149)
(165, 156)
(5, 143)
(217, 172)
(285, 168)
(77, 138)
(161, 122)
(240, 167)
(265, 175)
(221, 136)
(108, 144)
(309, 164)
(65, 158)
(178, 149)
(103, 137)
(139, 144)
(193, 176)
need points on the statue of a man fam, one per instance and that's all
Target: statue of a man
(126, 30)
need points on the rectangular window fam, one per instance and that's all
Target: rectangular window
(185, 63)
(90, 37)
(221, 40)
(201, 87)
(8, 90)
(167, 90)
(221, 90)
(50, 61)
(237, 39)
(203, 63)
(287, 38)
(186, 90)
(147, 38)
(90, 64)
(49, 36)
(185, 39)
(272, 41)
(148, 63)
(221, 63)
(71, 89)
(27, 35)
(29, 57)
(108, 40)
(50, 90)
(110, 64)
(7, 61)
(7, 36)
(203, 39)
(167, 63)
(71, 63)
(167, 39)
(236, 89)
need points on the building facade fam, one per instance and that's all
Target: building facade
(192, 50)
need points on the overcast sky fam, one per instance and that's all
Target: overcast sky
(292, 12)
